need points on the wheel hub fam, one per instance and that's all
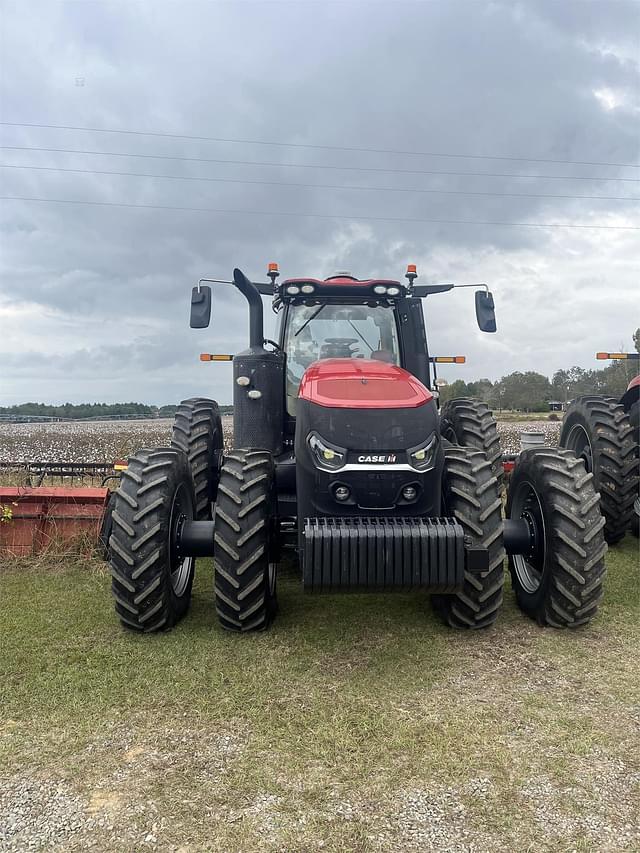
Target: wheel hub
(182, 510)
(530, 564)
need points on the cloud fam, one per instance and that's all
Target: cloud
(94, 300)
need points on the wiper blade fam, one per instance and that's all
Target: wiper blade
(309, 319)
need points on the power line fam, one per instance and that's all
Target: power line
(318, 147)
(311, 165)
(320, 215)
(313, 186)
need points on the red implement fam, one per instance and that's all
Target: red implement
(36, 519)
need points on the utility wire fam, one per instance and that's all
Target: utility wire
(311, 165)
(318, 147)
(313, 186)
(298, 215)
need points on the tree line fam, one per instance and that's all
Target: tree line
(532, 392)
(93, 410)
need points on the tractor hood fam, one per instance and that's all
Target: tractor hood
(356, 383)
(635, 383)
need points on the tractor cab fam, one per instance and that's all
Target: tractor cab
(313, 330)
(347, 318)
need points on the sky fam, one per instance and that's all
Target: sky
(524, 105)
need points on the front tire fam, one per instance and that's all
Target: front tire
(470, 423)
(243, 550)
(559, 582)
(151, 583)
(472, 497)
(197, 430)
(597, 430)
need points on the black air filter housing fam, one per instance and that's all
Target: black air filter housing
(258, 422)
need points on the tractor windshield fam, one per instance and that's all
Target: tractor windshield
(336, 330)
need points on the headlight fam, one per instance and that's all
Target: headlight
(293, 290)
(423, 456)
(393, 291)
(326, 456)
(380, 289)
(307, 288)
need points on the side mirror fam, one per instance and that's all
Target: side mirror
(485, 311)
(200, 307)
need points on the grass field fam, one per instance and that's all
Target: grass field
(358, 723)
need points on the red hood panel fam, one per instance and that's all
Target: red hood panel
(357, 383)
(634, 383)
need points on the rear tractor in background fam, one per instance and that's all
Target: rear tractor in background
(341, 456)
(605, 433)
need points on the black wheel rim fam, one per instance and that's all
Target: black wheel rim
(529, 567)
(180, 567)
(579, 442)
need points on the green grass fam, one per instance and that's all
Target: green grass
(356, 723)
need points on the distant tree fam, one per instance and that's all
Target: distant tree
(456, 389)
(528, 391)
(636, 339)
(482, 389)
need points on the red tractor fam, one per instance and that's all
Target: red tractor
(604, 433)
(341, 455)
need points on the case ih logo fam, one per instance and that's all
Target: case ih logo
(381, 458)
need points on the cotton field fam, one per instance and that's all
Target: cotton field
(92, 441)
(105, 441)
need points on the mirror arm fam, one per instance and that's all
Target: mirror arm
(486, 287)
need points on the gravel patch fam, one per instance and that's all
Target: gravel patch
(39, 813)
(437, 819)
(124, 808)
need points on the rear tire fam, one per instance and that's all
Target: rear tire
(634, 420)
(472, 497)
(197, 430)
(470, 423)
(597, 430)
(559, 583)
(243, 551)
(151, 583)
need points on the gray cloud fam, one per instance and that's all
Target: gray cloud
(94, 300)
